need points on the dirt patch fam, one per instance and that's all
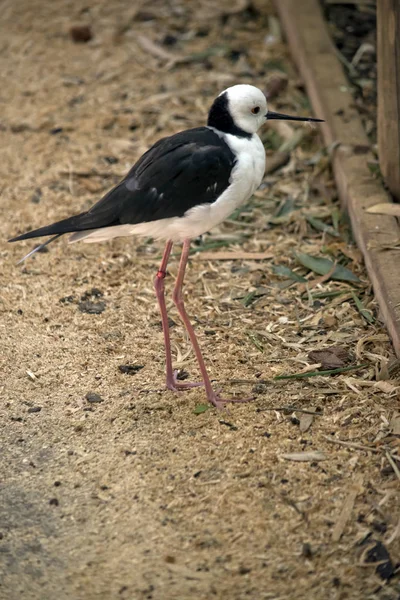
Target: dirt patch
(112, 487)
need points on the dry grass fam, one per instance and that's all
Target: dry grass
(138, 496)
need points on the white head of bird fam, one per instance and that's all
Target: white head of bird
(245, 106)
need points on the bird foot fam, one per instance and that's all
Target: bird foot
(176, 385)
(219, 403)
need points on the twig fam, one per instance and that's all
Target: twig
(393, 465)
(351, 69)
(347, 509)
(350, 444)
(290, 409)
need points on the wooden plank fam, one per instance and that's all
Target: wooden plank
(388, 37)
(329, 92)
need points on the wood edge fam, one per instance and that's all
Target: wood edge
(307, 60)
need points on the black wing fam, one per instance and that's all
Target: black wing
(177, 173)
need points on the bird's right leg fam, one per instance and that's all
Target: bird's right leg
(177, 297)
(172, 382)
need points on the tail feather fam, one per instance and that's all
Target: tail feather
(75, 223)
(39, 248)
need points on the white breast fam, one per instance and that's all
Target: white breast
(246, 176)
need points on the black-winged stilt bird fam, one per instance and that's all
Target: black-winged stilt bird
(182, 187)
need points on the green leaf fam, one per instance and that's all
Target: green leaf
(321, 226)
(336, 216)
(282, 214)
(362, 310)
(201, 408)
(286, 272)
(255, 340)
(317, 373)
(322, 266)
(249, 298)
(331, 294)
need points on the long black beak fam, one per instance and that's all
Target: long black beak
(274, 115)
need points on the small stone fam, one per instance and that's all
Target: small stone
(169, 40)
(182, 375)
(34, 409)
(111, 160)
(67, 299)
(378, 555)
(306, 551)
(93, 397)
(54, 502)
(170, 559)
(80, 34)
(92, 308)
(130, 369)
(93, 293)
(36, 196)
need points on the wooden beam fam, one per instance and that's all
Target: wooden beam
(329, 92)
(388, 37)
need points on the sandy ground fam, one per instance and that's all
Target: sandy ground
(137, 496)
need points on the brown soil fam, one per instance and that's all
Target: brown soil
(137, 496)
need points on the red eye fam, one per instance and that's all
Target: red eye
(255, 110)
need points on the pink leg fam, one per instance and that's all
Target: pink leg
(212, 396)
(172, 383)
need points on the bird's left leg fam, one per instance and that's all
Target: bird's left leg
(172, 382)
(212, 396)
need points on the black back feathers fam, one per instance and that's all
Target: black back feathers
(178, 173)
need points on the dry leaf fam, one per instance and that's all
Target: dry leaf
(235, 255)
(385, 208)
(304, 456)
(386, 387)
(395, 424)
(347, 509)
(276, 83)
(368, 339)
(330, 358)
(306, 421)
(156, 50)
